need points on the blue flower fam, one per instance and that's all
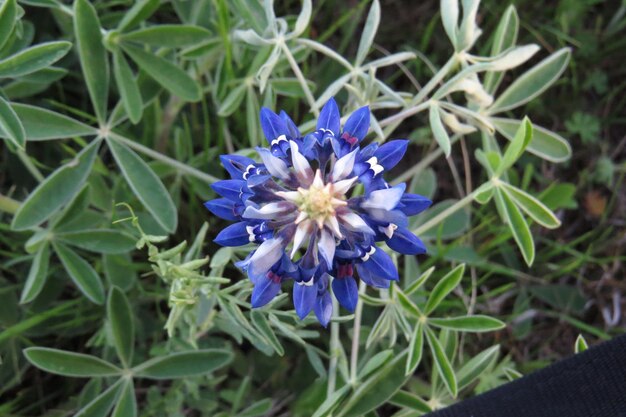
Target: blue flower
(298, 204)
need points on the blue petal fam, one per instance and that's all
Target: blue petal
(236, 165)
(405, 242)
(329, 117)
(263, 292)
(234, 235)
(231, 189)
(381, 265)
(346, 292)
(291, 126)
(273, 126)
(323, 308)
(358, 124)
(223, 208)
(304, 297)
(413, 204)
(390, 153)
(370, 279)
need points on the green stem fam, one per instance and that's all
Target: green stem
(333, 351)
(183, 168)
(33, 321)
(440, 75)
(356, 334)
(296, 70)
(30, 166)
(447, 212)
(8, 205)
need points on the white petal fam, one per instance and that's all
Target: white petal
(302, 232)
(343, 166)
(291, 196)
(332, 223)
(326, 246)
(354, 222)
(267, 212)
(318, 182)
(266, 256)
(386, 199)
(300, 165)
(375, 166)
(342, 187)
(276, 166)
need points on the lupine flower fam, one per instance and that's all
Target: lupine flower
(300, 206)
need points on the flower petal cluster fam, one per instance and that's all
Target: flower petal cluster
(300, 206)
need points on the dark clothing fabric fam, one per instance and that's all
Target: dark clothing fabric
(589, 384)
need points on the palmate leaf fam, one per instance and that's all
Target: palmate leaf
(184, 364)
(518, 226)
(120, 318)
(42, 124)
(33, 59)
(62, 362)
(444, 368)
(128, 87)
(83, 274)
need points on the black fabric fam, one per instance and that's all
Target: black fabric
(589, 384)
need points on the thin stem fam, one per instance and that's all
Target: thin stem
(445, 214)
(356, 334)
(30, 166)
(296, 70)
(8, 205)
(183, 168)
(398, 117)
(333, 351)
(440, 75)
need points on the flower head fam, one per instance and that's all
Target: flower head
(300, 206)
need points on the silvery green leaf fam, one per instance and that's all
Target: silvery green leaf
(369, 32)
(469, 31)
(545, 144)
(454, 124)
(10, 125)
(249, 36)
(473, 368)
(450, 19)
(263, 74)
(534, 208)
(482, 122)
(518, 145)
(232, 101)
(303, 18)
(389, 60)
(533, 82)
(513, 57)
(323, 49)
(8, 12)
(518, 226)
(454, 83)
(504, 38)
(444, 368)
(36, 275)
(581, 344)
(270, 15)
(439, 132)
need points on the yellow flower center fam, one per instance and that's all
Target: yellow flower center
(318, 202)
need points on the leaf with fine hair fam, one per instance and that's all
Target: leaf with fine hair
(369, 32)
(184, 364)
(128, 87)
(43, 124)
(83, 274)
(518, 226)
(63, 362)
(444, 368)
(36, 275)
(444, 287)
(33, 59)
(120, 318)
(10, 125)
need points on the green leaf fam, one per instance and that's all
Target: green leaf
(519, 228)
(33, 59)
(42, 124)
(444, 368)
(169, 75)
(102, 404)
(146, 185)
(127, 87)
(516, 148)
(99, 240)
(141, 10)
(535, 209)
(126, 403)
(8, 12)
(376, 389)
(545, 144)
(504, 38)
(264, 328)
(259, 408)
(329, 405)
(83, 274)
(168, 36)
(581, 344)
(417, 284)
(485, 193)
(416, 347)
(232, 101)
(405, 302)
(454, 225)
(369, 32)
(93, 56)
(56, 190)
(122, 328)
(533, 82)
(444, 287)
(476, 324)
(62, 362)
(36, 275)
(184, 364)
(439, 131)
(474, 368)
(375, 362)
(10, 125)
(119, 271)
(408, 400)
(450, 19)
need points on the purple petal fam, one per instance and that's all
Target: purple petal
(236, 234)
(370, 279)
(381, 265)
(273, 126)
(329, 117)
(236, 165)
(390, 153)
(264, 291)
(222, 208)
(357, 125)
(346, 292)
(265, 256)
(291, 126)
(323, 308)
(231, 189)
(405, 242)
(304, 296)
